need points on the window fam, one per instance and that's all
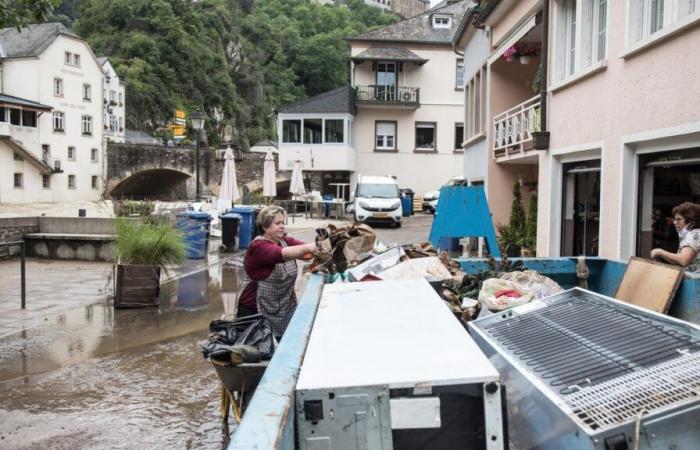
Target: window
(87, 125)
(334, 131)
(474, 96)
(312, 131)
(3, 114)
(87, 93)
(291, 131)
(121, 124)
(459, 75)
(425, 136)
(29, 119)
(113, 97)
(45, 153)
(46, 181)
(385, 135)
(459, 136)
(67, 58)
(19, 181)
(15, 116)
(93, 155)
(18, 156)
(71, 154)
(112, 122)
(580, 36)
(646, 17)
(442, 22)
(95, 182)
(76, 60)
(121, 99)
(58, 121)
(71, 181)
(58, 87)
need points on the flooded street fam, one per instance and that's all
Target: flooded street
(130, 378)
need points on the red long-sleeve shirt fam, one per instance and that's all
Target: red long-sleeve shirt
(259, 262)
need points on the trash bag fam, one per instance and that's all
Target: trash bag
(245, 340)
(498, 294)
(533, 283)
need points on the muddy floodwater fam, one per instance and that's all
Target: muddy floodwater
(96, 377)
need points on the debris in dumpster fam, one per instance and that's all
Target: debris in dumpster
(532, 282)
(421, 250)
(649, 284)
(488, 295)
(430, 267)
(342, 247)
(245, 340)
(376, 264)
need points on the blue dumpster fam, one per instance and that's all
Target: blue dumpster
(406, 205)
(449, 244)
(194, 227)
(246, 230)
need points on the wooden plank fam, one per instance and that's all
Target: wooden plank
(649, 284)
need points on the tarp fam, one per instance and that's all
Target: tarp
(269, 176)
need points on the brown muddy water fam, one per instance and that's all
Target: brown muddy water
(96, 377)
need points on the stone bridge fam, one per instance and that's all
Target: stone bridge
(160, 172)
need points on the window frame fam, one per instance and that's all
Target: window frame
(422, 124)
(458, 143)
(87, 131)
(70, 153)
(61, 117)
(58, 87)
(442, 21)
(386, 148)
(459, 85)
(94, 182)
(46, 153)
(87, 89)
(94, 155)
(72, 182)
(325, 131)
(18, 176)
(46, 181)
(300, 133)
(475, 92)
(67, 58)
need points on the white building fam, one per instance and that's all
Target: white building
(114, 103)
(51, 127)
(402, 115)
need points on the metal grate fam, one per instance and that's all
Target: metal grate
(628, 397)
(584, 341)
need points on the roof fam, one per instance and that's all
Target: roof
(338, 100)
(12, 100)
(32, 40)
(388, 54)
(419, 29)
(102, 60)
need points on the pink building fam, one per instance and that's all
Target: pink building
(622, 96)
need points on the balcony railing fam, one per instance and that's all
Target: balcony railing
(397, 95)
(512, 129)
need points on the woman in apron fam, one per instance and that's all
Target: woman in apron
(270, 263)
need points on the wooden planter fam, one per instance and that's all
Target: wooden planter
(136, 285)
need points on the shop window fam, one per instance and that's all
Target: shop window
(426, 136)
(291, 131)
(581, 209)
(313, 131)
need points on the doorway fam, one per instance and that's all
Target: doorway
(581, 209)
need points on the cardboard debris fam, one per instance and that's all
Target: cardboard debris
(376, 264)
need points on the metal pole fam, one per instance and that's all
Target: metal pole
(198, 198)
(22, 274)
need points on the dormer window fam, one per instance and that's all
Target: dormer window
(442, 21)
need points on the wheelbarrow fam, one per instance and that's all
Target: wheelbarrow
(238, 385)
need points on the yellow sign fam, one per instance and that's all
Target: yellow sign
(179, 114)
(178, 130)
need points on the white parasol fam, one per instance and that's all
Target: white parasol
(296, 186)
(269, 176)
(229, 186)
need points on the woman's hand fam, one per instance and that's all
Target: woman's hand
(297, 251)
(683, 258)
(657, 253)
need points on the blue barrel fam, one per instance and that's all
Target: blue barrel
(449, 244)
(327, 206)
(246, 229)
(406, 206)
(194, 227)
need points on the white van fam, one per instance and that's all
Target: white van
(377, 200)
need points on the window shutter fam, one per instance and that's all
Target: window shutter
(386, 129)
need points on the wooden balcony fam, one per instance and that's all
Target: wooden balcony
(512, 129)
(387, 96)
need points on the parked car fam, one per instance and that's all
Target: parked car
(430, 199)
(377, 199)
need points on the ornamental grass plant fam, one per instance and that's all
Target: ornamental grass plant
(148, 244)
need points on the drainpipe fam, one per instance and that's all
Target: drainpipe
(541, 138)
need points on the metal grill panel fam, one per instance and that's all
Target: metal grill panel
(628, 397)
(584, 341)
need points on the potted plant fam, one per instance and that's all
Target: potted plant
(512, 236)
(143, 250)
(521, 52)
(508, 240)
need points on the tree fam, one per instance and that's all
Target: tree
(530, 235)
(20, 13)
(517, 213)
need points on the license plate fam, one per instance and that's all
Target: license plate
(381, 215)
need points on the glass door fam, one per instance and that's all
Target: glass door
(581, 209)
(386, 81)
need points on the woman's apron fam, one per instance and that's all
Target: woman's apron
(276, 298)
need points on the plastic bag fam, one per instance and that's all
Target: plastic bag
(231, 342)
(492, 286)
(532, 282)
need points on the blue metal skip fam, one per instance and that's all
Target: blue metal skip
(463, 212)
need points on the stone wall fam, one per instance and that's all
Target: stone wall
(12, 229)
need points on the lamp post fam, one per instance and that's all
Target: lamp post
(197, 120)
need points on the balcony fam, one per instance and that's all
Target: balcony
(387, 96)
(512, 130)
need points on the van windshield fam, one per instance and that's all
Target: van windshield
(377, 190)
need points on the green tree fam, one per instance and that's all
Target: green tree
(517, 213)
(20, 13)
(530, 239)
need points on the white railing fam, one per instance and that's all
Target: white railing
(512, 129)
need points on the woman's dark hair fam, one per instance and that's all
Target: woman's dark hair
(690, 213)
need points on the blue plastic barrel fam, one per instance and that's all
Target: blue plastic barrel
(194, 227)
(406, 206)
(327, 206)
(246, 229)
(449, 244)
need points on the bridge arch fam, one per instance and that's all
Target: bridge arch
(156, 183)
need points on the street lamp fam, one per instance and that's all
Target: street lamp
(197, 120)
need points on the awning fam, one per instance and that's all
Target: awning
(10, 100)
(514, 38)
(397, 54)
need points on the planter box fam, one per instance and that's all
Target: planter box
(136, 285)
(540, 140)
